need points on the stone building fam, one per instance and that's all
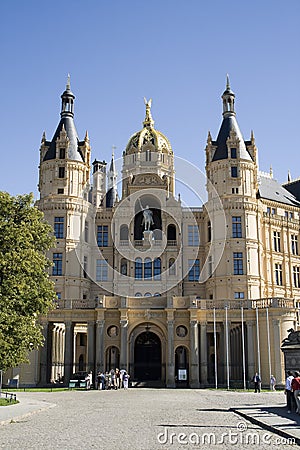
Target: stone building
(178, 296)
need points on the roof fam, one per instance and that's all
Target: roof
(294, 188)
(229, 124)
(74, 152)
(272, 190)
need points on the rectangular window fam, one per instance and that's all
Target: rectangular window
(138, 269)
(193, 235)
(60, 191)
(101, 270)
(102, 235)
(234, 172)
(233, 153)
(194, 269)
(209, 231)
(61, 172)
(276, 241)
(85, 266)
(57, 261)
(294, 244)
(86, 231)
(239, 295)
(268, 210)
(273, 211)
(148, 268)
(238, 263)
(59, 227)
(62, 153)
(278, 274)
(236, 227)
(296, 276)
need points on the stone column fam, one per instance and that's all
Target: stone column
(277, 370)
(203, 353)
(68, 357)
(44, 355)
(194, 355)
(124, 339)
(91, 347)
(250, 349)
(100, 346)
(170, 356)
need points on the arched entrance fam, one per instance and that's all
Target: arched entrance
(147, 357)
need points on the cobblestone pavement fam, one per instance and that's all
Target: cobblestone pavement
(140, 419)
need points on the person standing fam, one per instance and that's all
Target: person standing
(288, 391)
(295, 384)
(272, 382)
(257, 381)
(125, 380)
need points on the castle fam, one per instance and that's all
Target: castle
(178, 296)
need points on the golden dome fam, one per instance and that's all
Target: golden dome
(148, 138)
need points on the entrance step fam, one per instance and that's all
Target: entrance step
(148, 384)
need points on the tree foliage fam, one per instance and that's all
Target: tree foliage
(26, 291)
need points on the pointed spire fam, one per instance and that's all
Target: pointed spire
(271, 172)
(289, 178)
(68, 86)
(209, 139)
(228, 100)
(148, 122)
(43, 137)
(227, 83)
(86, 137)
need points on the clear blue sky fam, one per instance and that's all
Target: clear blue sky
(177, 52)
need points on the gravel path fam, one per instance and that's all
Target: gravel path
(141, 419)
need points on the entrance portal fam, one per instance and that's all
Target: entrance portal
(147, 357)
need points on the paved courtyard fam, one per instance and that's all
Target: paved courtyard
(138, 419)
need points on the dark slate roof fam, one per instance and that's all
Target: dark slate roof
(229, 123)
(74, 152)
(272, 190)
(294, 188)
(111, 197)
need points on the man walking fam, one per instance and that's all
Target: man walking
(257, 381)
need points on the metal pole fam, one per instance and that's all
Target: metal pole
(0, 383)
(215, 346)
(243, 348)
(227, 345)
(269, 349)
(258, 344)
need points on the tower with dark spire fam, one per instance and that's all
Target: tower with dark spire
(65, 160)
(112, 193)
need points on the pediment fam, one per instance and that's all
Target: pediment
(150, 179)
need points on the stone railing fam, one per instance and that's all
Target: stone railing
(186, 302)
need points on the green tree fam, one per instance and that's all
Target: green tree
(26, 291)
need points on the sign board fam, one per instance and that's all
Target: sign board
(182, 374)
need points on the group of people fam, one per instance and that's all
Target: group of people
(257, 382)
(292, 391)
(113, 379)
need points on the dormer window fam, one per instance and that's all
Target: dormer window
(233, 153)
(62, 153)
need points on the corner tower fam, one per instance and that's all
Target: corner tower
(232, 172)
(65, 160)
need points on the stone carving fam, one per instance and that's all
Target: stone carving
(293, 337)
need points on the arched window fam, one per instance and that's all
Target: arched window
(172, 267)
(124, 266)
(157, 268)
(138, 294)
(171, 232)
(123, 233)
(138, 272)
(148, 268)
(147, 294)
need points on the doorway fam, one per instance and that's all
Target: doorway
(147, 357)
